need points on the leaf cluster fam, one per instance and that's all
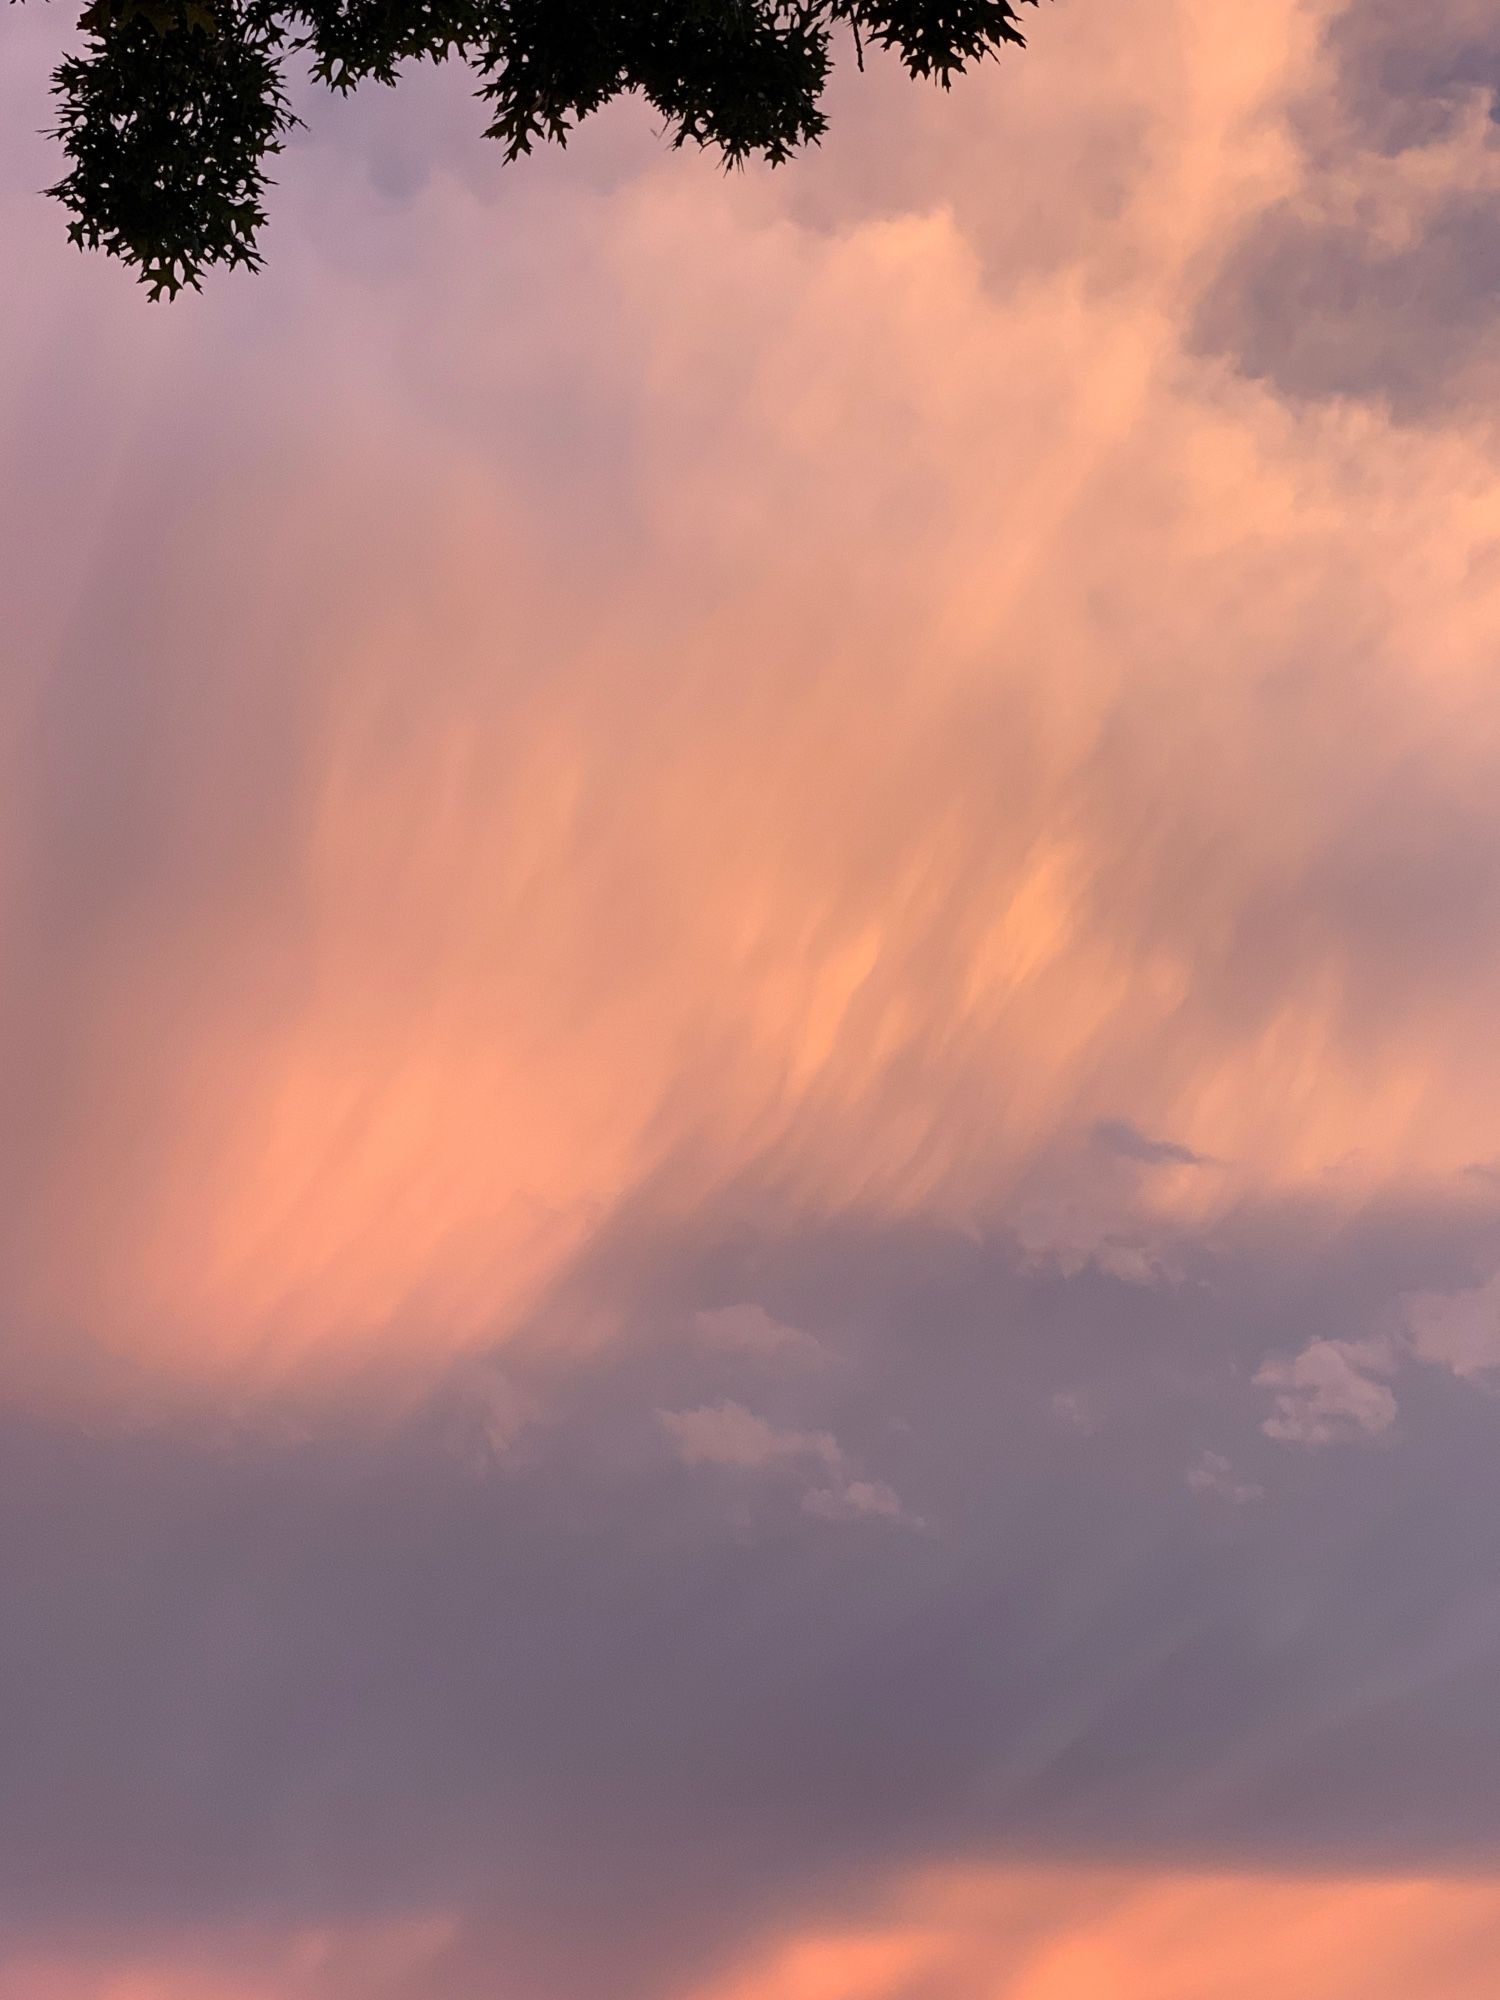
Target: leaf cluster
(174, 109)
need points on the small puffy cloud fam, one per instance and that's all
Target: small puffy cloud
(729, 1434)
(1329, 1393)
(750, 1329)
(1458, 1330)
(1211, 1472)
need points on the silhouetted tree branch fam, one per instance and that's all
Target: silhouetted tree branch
(174, 109)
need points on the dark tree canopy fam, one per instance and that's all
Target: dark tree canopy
(171, 114)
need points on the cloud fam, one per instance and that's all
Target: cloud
(1372, 278)
(1131, 1263)
(731, 1435)
(564, 818)
(1013, 1931)
(1021, 1934)
(1328, 1394)
(1409, 80)
(385, 1960)
(750, 1330)
(1458, 1330)
(640, 1743)
(487, 1416)
(855, 1500)
(1122, 1139)
(627, 770)
(1211, 1472)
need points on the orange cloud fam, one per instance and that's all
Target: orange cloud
(379, 1961)
(1034, 1935)
(979, 1934)
(979, 715)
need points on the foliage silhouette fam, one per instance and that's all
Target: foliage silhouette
(171, 114)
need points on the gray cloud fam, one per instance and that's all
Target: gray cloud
(346, 1679)
(1372, 282)
(1127, 1142)
(1405, 73)
(1318, 307)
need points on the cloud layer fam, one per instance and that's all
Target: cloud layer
(750, 933)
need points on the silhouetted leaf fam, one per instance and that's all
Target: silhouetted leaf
(172, 112)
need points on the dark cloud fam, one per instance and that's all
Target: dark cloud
(1406, 73)
(1127, 1142)
(1318, 307)
(1328, 294)
(622, 1709)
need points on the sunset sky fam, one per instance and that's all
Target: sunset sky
(749, 1074)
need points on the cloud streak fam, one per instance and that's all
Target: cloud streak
(477, 883)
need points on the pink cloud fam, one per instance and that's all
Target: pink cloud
(603, 708)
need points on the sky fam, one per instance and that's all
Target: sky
(749, 1118)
